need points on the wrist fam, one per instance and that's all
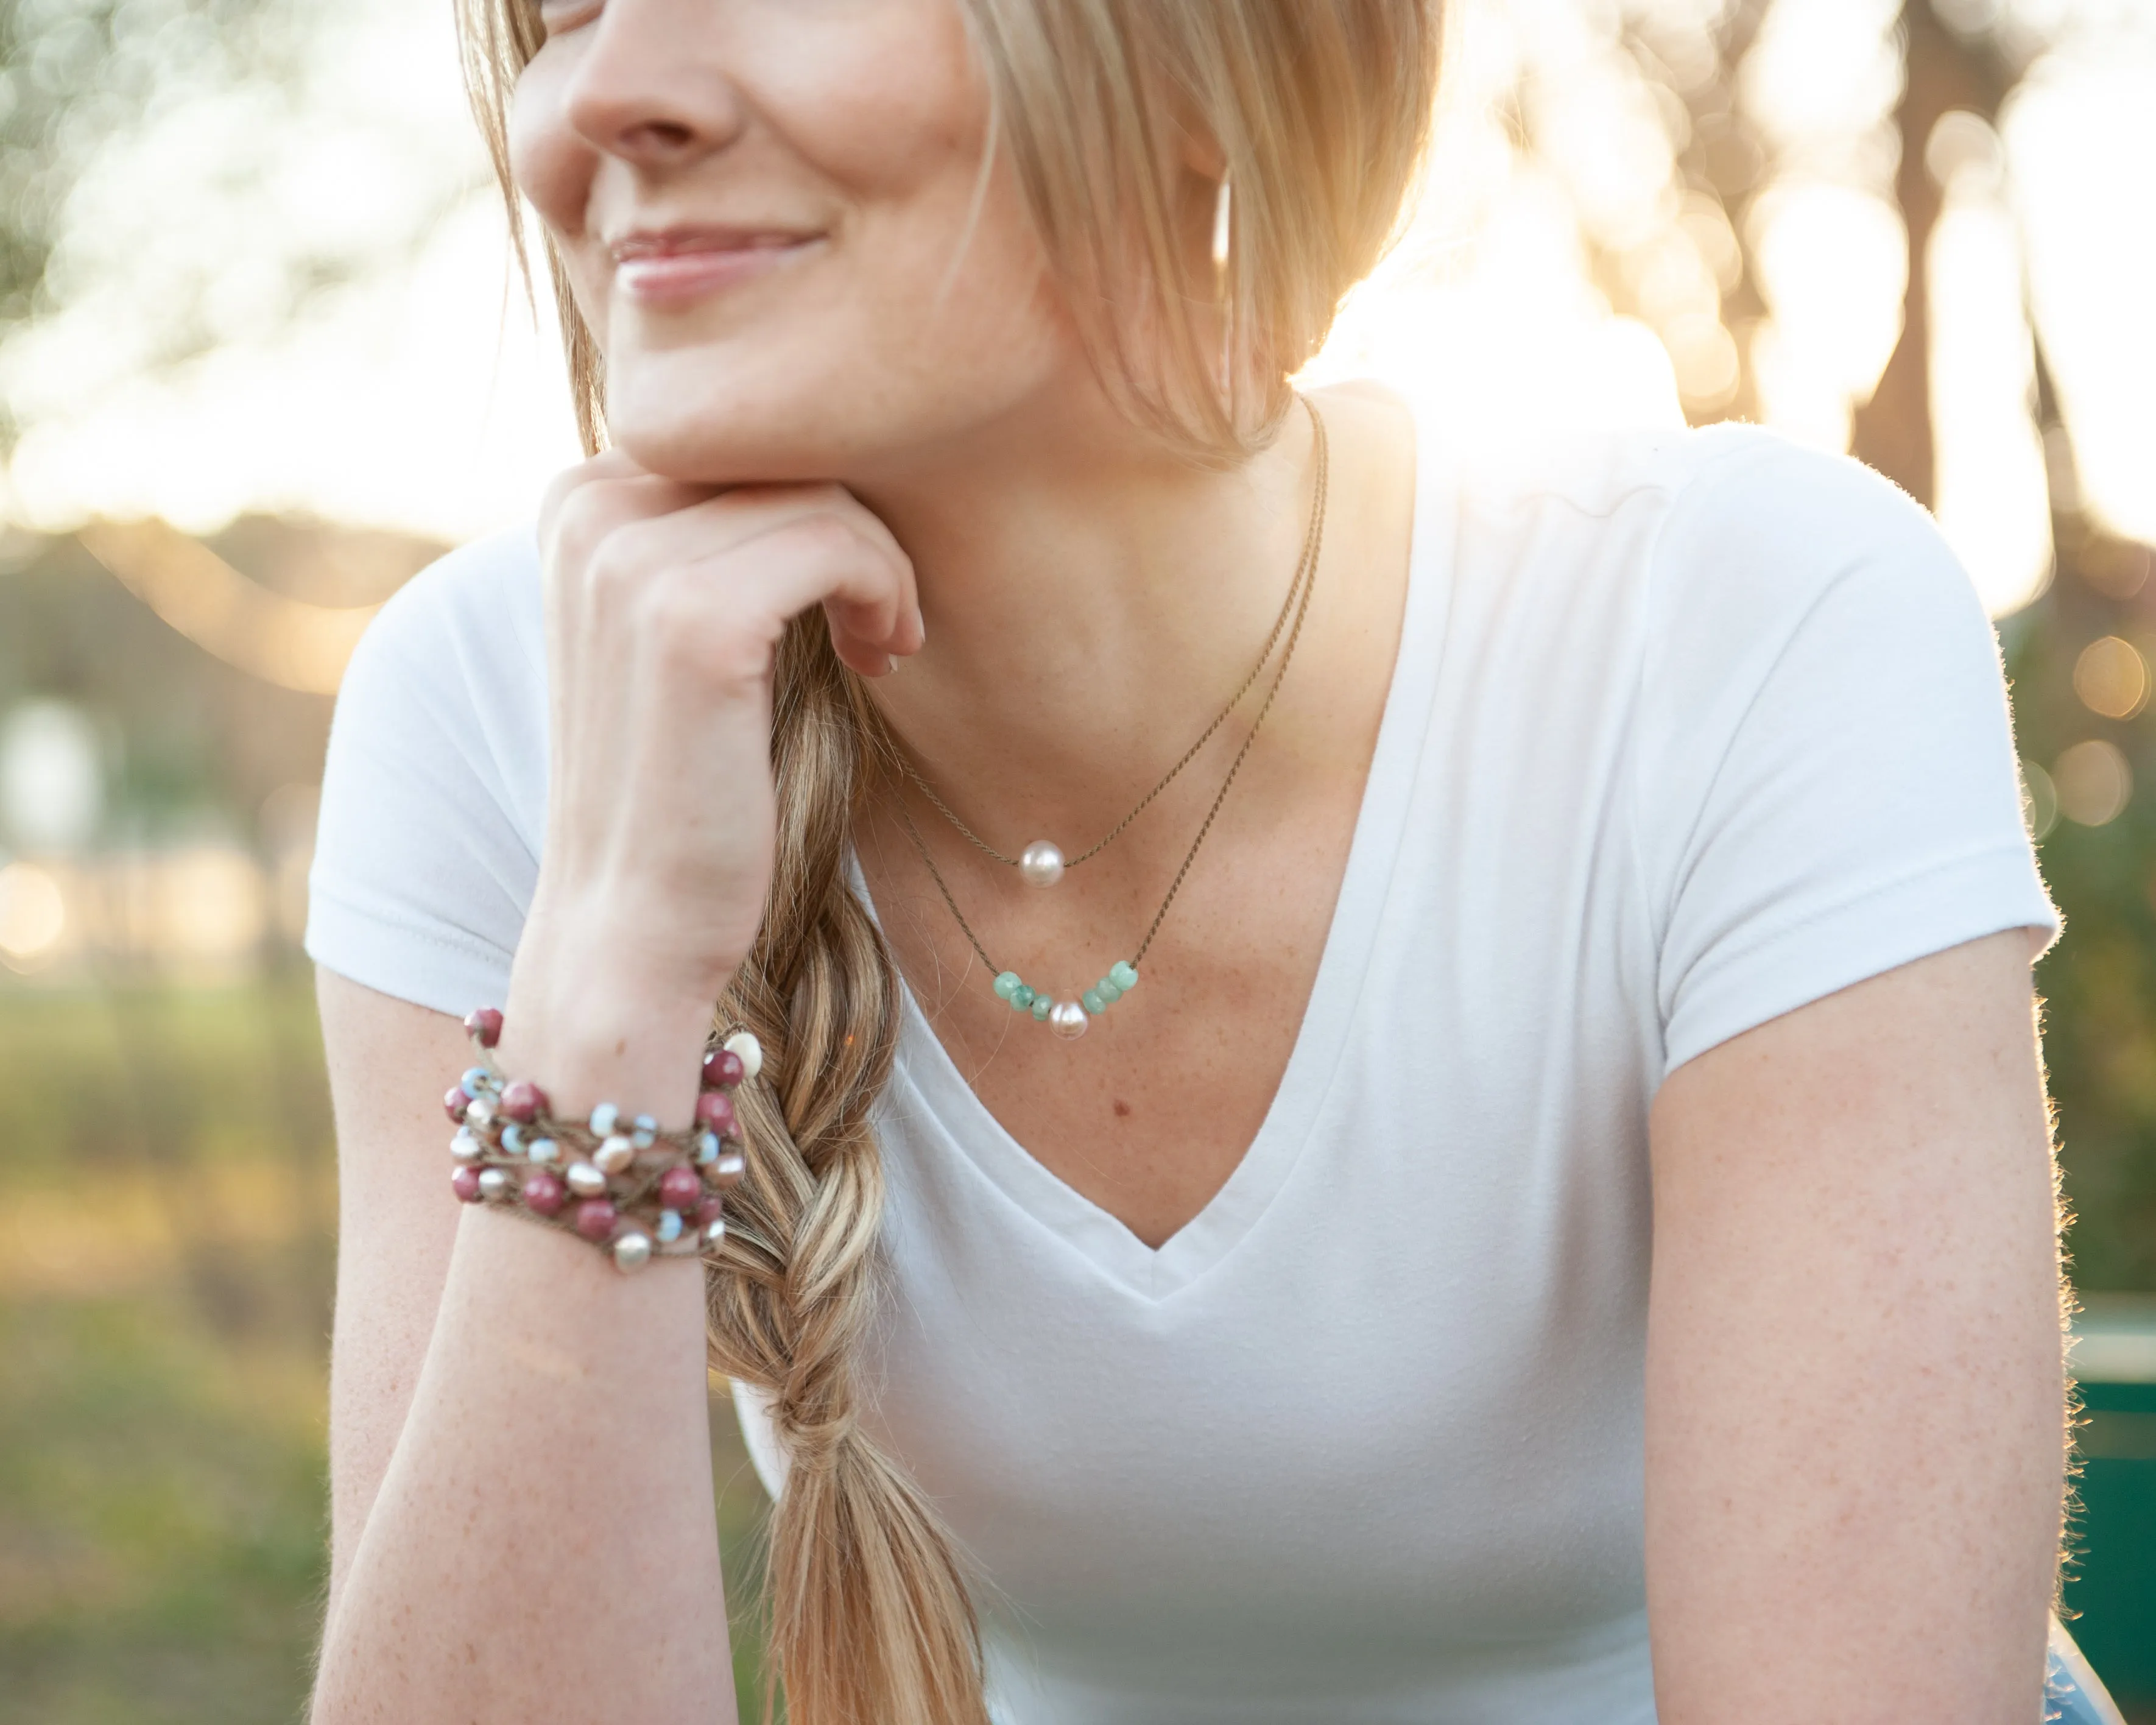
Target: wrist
(605, 1028)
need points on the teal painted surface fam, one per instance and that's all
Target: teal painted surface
(2112, 1587)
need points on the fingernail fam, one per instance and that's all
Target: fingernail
(890, 663)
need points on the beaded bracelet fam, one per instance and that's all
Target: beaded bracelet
(623, 1184)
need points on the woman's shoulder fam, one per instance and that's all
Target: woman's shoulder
(469, 623)
(1713, 540)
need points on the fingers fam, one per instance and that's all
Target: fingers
(762, 553)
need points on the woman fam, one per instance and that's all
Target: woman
(1562, 1226)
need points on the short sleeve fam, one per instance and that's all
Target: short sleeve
(1827, 786)
(433, 792)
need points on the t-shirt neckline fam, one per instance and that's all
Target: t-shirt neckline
(936, 1099)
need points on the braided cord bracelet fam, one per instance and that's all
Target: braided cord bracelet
(626, 1185)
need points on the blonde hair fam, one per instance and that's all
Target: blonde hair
(1320, 112)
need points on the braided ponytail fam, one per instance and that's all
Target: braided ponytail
(870, 1616)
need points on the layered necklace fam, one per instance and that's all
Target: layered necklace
(1042, 863)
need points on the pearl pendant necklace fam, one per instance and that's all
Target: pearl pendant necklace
(1042, 863)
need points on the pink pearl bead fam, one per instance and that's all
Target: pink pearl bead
(485, 1024)
(523, 1101)
(595, 1219)
(464, 1183)
(715, 1112)
(456, 1102)
(544, 1192)
(709, 1211)
(722, 1068)
(679, 1187)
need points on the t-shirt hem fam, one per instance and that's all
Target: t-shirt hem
(425, 967)
(1862, 936)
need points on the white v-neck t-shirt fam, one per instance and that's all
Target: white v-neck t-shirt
(1686, 729)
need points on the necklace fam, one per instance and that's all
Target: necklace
(1069, 1018)
(1042, 863)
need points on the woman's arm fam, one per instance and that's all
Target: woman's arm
(520, 1477)
(523, 1527)
(1855, 1390)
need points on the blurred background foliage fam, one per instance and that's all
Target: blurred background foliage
(255, 371)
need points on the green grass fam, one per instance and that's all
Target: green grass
(165, 1264)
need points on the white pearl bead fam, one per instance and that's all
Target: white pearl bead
(585, 1180)
(615, 1154)
(1068, 1020)
(465, 1146)
(1040, 864)
(632, 1251)
(743, 1045)
(715, 1231)
(493, 1183)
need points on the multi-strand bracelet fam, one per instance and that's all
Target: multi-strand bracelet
(628, 1186)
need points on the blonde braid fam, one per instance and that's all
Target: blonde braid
(871, 1621)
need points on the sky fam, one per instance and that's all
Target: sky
(424, 395)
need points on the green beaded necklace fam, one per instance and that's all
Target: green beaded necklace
(1069, 1019)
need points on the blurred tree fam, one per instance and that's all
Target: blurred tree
(77, 75)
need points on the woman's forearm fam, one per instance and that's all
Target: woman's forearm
(542, 1546)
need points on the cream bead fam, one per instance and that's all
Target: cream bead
(1067, 1019)
(744, 1047)
(1040, 864)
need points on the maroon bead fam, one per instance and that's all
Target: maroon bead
(464, 1181)
(722, 1068)
(485, 1024)
(456, 1102)
(709, 1211)
(523, 1101)
(595, 1219)
(715, 1113)
(679, 1187)
(544, 1194)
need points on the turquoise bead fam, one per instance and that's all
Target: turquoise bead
(1023, 998)
(1108, 992)
(1042, 1005)
(669, 1226)
(1092, 1001)
(1008, 984)
(707, 1149)
(1123, 975)
(544, 1150)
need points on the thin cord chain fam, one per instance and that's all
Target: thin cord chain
(1235, 701)
(1305, 581)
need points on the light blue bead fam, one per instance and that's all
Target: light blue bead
(1023, 998)
(543, 1150)
(707, 1149)
(1108, 992)
(1092, 1003)
(669, 1226)
(645, 1123)
(604, 1118)
(512, 1139)
(474, 1083)
(1008, 984)
(644, 1139)
(1042, 1005)
(1123, 975)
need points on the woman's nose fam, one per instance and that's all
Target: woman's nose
(650, 86)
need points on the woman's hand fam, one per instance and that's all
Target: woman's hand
(665, 603)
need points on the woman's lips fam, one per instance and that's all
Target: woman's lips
(692, 270)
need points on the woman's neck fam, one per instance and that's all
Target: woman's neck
(1087, 603)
